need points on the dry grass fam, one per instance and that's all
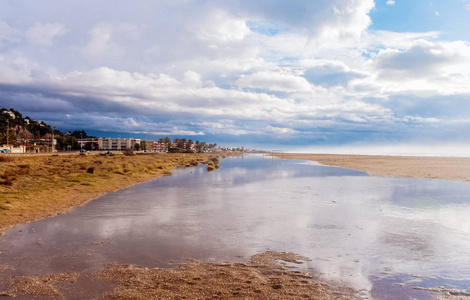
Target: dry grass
(263, 278)
(39, 286)
(4, 267)
(34, 187)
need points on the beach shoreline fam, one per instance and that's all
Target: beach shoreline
(447, 168)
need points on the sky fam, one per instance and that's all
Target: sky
(267, 74)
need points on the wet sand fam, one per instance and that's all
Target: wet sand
(267, 276)
(449, 168)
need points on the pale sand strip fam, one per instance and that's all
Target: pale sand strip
(450, 168)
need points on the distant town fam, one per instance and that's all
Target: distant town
(24, 135)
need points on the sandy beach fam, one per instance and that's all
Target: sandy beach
(448, 168)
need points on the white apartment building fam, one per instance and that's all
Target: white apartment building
(117, 144)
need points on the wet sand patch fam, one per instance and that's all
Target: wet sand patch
(264, 277)
(39, 286)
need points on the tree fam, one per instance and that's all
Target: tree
(88, 146)
(11, 137)
(181, 144)
(79, 134)
(200, 146)
(189, 144)
(143, 145)
(167, 142)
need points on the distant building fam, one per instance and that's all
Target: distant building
(117, 144)
(12, 149)
(157, 146)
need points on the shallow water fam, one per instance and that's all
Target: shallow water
(381, 235)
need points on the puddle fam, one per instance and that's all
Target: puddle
(387, 236)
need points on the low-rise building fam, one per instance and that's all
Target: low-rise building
(117, 144)
(12, 149)
(160, 147)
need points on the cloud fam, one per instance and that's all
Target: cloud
(44, 34)
(422, 59)
(101, 44)
(227, 30)
(274, 81)
(310, 71)
(333, 18)
(390, 2)
(8, 35)
(279, 130)
(466, 4)
(331, 73)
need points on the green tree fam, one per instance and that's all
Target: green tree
(143, 145)
(189, 144)
(167, 142)
(79, 134)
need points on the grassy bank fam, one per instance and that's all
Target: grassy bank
(39, 186)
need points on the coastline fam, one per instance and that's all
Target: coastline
(447, 168)
(254, 279)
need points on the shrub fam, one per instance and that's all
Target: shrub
(118, 170)
(6, 158)
(128, 152)
(90, 170)
(8, 177)
(24, 170)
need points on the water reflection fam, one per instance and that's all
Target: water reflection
(366, 232)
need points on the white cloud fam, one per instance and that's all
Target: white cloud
(192, 79)
(466, 4)
(44, 34)
(220, 27)
(279, 130)
(442, 67)
(8, 35)
(274, 81)
(221, 127)
(390, 2)
(322, 18)
(101, 44)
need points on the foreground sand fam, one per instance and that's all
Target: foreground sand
(449, 168)
(266, 276)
